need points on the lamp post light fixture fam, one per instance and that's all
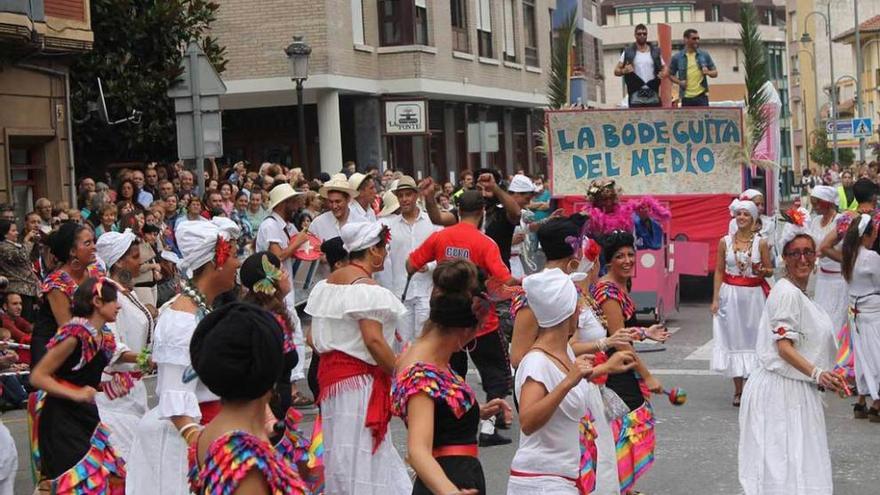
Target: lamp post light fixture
(298, 54)
(806, 38)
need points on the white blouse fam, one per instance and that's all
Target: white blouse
(174, 330)
(133, 325)
(554, 449)
(866, 275)
(790, 314)
(335, 310)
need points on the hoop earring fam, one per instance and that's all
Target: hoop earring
(568, 268)
(375, 266)
(75, 264)
(471, 349)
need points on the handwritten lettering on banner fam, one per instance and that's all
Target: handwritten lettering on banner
(647, 151)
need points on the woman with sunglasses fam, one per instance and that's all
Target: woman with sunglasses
(740, 289)
(782, 445)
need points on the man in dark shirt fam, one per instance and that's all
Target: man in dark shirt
(504, 208)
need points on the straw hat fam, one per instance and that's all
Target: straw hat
(356, 180)
(281, 193)
(406, 182)
(340, 184)
(390, 204)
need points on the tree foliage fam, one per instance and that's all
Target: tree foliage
(137, 52)
(823, 154)
(755, 64)
(559, 85)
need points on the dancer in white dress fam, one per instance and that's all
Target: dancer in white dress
(353, 323)
(123, 407)
(830, 287)
(861, 268)
(157, 463)
(8, 461)
(553, 395)
(783, 447)
(743, 261)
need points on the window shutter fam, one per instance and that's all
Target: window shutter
(509, 40)
(484, 17)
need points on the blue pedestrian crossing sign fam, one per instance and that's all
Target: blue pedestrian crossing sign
(862, 128)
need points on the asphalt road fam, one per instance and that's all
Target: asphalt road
(696, 443)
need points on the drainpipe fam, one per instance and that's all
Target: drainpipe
(68, 122)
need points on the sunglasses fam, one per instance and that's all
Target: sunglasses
(807, 254)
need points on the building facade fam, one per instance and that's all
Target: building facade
(478, 68)
(38, 39)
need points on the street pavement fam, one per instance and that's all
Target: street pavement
(696, 443)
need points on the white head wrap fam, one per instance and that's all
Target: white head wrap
(750, 194)
(792, 230)
(521, 184)
(740, 204)
(112, 246)
(825, 193)
(360, 236)
(197, 241)
(552, 296)
(864, 221)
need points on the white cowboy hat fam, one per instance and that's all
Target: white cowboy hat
(340, 184)
(281, 193)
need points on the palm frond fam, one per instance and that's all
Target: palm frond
(558, 87)
(757, 121)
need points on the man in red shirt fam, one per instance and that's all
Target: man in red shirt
(464, 240)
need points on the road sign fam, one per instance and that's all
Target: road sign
(844, 130)
(863, 127)
(197, 105)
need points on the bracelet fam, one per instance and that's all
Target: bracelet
(187, 428)
(602, 344)
(643, 333)
(817, 372)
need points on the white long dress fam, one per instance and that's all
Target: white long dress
(350, 466)
(735, 327)
(8, 461)
(157, 464)
(549, 456)
(864, 295)
(133, 325)
(607, 482)
(783, 448)
(830, 286)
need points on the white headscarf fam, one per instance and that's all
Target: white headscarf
(112, 246)
(825, 193)
(750, 194)
(792, 230)
(741, 204)
(197, 240)
(552, 296)
(360, 236)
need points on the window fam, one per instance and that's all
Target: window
(530, 30)
(769, 17)
(792, 20)
(403, 22)
(357, 21)
(716, 13)
(630, 16)
(484, 28)
(459, 26)
(595, 11)
(509, 37)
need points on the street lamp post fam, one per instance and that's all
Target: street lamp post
(298, 56)
(806, 38)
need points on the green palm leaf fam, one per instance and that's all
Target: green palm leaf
(757, 121)
(558, 90)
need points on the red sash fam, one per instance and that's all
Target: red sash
(521, 474)
(741, 281)
(336, 367)
(456, 450)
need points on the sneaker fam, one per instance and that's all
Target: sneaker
(873, 415)
(860, 411)
(493, 440)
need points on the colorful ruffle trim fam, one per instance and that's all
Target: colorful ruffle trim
(119, 385)
(61, 280)
(635, 445)
(229, 460)
(100, 472)
(587, 472)
(81, 329)
(434, 381)
(844, 362)
(609, 291)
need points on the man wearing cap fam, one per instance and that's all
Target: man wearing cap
(279, 236)
(337, 194)
(464, 240)
(361, 206)
(409, 229)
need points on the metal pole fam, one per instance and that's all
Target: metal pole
(859, 69)
(833, 83)
(198, 136)
(301, 127)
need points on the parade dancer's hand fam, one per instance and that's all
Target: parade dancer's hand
(657, 332)
(832, 381)
(466, 491)
(618, 363)
(622, 337)
(654, 384)
(495, 406)
(558, 213)
(714, 307)
(426, 187)
(583, 368)
(84, 394)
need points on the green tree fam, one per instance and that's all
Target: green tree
(137, 52)
(823, 154)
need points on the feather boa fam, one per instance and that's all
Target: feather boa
(621, 218)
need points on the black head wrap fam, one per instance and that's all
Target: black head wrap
(252, 269)
(237, 351)
(453, 311)
(559, 236)
(334, 250)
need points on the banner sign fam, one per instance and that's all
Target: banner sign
(646, 151)
(406, 117)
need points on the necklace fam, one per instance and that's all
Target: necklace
(190, 291)
(359, 267)
(743, 258)
(796, 284)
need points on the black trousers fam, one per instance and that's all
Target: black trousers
(492, 361)
(696, 101)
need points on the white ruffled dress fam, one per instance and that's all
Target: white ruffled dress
(830, 286)
(133, 325)
(783, 448)
(864, 295)
(8, 461)
(157, 464)
(735, 327)
(351, 467)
